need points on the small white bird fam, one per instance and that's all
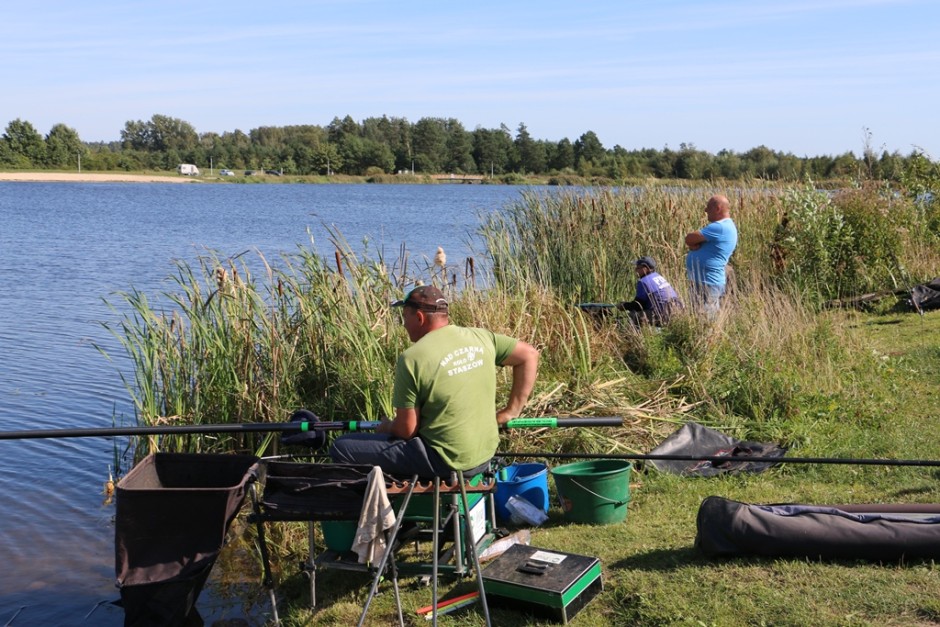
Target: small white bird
(440, 259)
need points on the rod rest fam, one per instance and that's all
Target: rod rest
(400, 486)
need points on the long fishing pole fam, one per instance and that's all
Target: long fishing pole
(728, 459)
(551, 422)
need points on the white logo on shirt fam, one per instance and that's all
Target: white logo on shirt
(463, 359)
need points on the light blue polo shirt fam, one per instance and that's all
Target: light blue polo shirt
(707, 264)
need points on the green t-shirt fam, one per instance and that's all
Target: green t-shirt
(450, 376)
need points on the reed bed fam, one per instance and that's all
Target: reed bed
(244, 340)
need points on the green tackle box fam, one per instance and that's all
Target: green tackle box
(542, 581)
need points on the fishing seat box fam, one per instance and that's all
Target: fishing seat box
(545, 582)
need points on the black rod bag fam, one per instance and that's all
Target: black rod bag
(173, 512)
(877, 532)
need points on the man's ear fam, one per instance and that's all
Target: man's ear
(422, 317)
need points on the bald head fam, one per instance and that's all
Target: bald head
(718, 208)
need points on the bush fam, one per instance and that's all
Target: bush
(815, 245)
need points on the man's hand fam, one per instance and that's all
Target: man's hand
(694, 240)
(384, 426)
(503, 416)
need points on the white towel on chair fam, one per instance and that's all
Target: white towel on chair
(376, 516)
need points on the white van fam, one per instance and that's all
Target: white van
(188, 169)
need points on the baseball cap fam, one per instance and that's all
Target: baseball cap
(646, 261)
(425, 298)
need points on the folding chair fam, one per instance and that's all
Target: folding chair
(460, 520)
(308, 492)
(334, 492)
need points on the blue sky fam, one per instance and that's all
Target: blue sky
(801, 76)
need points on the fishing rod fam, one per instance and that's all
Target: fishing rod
(729, 459)
(551, 422)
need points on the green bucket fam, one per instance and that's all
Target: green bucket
(339, 535)
(595, 492)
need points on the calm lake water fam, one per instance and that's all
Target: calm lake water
(66, 247)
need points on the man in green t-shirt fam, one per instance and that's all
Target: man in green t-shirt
(444, 395)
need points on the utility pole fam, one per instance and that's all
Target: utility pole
(79, 163)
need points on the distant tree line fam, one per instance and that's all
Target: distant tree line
(389, 145)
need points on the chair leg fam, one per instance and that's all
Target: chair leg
(460, 566)
(472, 548)
(435, 547)
(267, 579)
(388, 552)
(401, 616)
(311, 566)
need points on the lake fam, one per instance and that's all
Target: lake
(64, 249)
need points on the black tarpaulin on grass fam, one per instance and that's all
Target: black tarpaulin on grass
(173, 511)
(927, 296)
(694, 439)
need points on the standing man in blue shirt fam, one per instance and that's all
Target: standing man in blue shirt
(709, 251)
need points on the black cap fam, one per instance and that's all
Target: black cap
(646, 261)
(425, 298)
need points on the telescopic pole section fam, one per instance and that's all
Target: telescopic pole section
(268, 427)
(728, 459)
(553, 422)
(264, 427)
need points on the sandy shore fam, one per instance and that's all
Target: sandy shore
(93, 177)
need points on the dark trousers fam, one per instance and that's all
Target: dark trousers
(395, 456)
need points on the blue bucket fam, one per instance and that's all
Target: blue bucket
(530, 481)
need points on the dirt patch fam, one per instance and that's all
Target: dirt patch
(93, 177)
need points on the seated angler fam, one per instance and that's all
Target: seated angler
(444, 395)
(655, 299)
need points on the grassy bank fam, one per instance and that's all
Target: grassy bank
(654, 576)
(237, 344)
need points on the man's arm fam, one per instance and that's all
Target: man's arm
(405, 424)
(694, 240)
(630, 305)
(524, 360)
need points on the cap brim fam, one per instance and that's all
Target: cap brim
(399, 303)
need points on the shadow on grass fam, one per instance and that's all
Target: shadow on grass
(332, 586)
(909, 492)
(662, 560)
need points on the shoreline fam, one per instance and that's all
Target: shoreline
(91, 177)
